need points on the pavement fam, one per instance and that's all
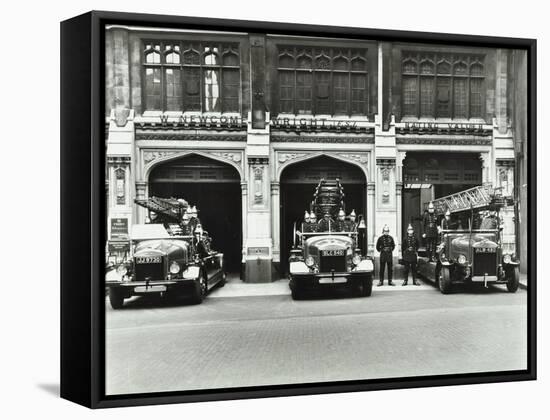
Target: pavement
(235, 287)
(232, 340)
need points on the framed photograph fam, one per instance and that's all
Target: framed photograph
(257, 209)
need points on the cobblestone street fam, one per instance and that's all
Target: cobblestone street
(236, 341)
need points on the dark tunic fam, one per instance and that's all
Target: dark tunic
(489, 222)
(340, 225)
(430, 225)
(385, 245)
(409, 249)
(324, 225)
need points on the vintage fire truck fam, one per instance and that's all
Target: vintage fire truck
(162, 258)
(470, 249)
(331, 253)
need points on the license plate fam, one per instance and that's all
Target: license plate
(330, 280)
(333, 253)
(148, 260)
(485, 250)
(150, 289)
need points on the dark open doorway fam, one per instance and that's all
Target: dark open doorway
(212, 186)
(432, 175)
(298, 184)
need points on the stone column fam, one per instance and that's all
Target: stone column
(141, 194)
(505, 181)
(120, 166)
(244, 210)
(275, 221)
(371, 212)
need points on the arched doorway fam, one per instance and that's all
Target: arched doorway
(298, 182)
(432, 175)
(214, 187)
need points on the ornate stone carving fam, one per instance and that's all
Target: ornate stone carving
(190, 137)
(283, 157)
(118, 160)
(258, 161)
(324, 139)
(444, 141)
(386, 163)
(361, 158)
(233, 156)
(151, 155)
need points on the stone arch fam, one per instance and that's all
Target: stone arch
(233, 158)
(286, 159)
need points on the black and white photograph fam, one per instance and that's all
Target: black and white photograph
(287, 209)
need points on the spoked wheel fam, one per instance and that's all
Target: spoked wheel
(445, 284)
(116, 298)
(201, 288)
(512, 280)
(365, 287)
(223, 280)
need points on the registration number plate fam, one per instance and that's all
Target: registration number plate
(332, 253)
(148, 260)
(330, 280)
(150, 289)
(485, 250)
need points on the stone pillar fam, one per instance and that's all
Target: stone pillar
(141, 194)
(505, 181)
(120, 167)
(371, 212)
(244, 211)
(486, 172)
(501, 109)
(398, 216)
(275, 221)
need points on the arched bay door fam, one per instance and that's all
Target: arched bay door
(428, 175)
(298, 182)
(212, 186)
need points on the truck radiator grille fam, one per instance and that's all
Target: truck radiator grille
(153, 271)
(329, 263)
(485, 263)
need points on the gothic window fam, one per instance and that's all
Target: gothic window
(191, 76)
(442, 85)
(329, 81)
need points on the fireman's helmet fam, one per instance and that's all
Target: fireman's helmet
(410, 229)
(198, 230)
(152, 215)
(448, 213)
(352, 215)
(307, 216)
(431, 207)
(341, 214)
(386, 229)
(312, 217)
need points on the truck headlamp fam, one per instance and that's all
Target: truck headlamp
(507, 258)
(174, 268)
(461, 259)
(356, 259)
(310, 262)
(122, 270)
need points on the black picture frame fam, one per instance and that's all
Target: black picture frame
(83, 215)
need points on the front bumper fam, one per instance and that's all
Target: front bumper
(146, 284)
(328, 280)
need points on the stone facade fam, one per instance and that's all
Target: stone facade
(260, 141)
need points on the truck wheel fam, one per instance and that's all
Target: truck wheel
(201, 287)
(296, 293)
(222, 282)
(512, 280)
(367, 286)
(116, 298)
(445, 284)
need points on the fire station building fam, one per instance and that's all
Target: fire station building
(244, 126)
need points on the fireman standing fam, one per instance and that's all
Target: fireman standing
(409, 251)
(326, 224)
(352, 224)
(385, 245)
(340, 225)
(313, 221)
(430, 231)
